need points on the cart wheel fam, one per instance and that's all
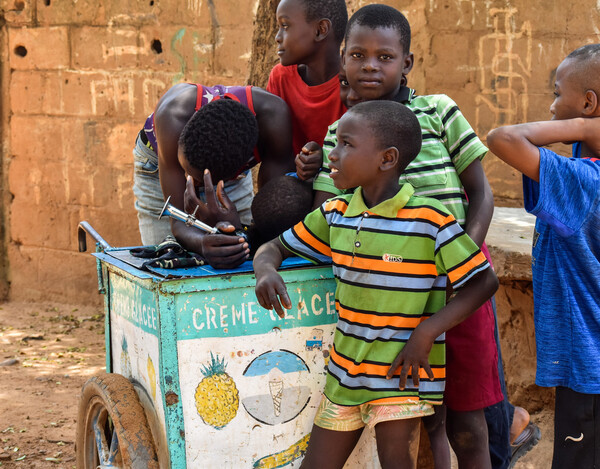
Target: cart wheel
(112, 430)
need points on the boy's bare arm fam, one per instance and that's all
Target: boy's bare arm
(415, 353)
(320, 197)
(518, 144)
(481, 201)
(270, 289)
(274, 135)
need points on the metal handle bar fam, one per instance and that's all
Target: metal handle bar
(83, 228)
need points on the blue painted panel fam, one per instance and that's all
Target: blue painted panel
(134, 303)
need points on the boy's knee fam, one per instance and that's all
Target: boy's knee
(435, 422)
(467, 431)
(393, 460)
(467, 440)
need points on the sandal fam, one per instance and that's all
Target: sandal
(524, 442)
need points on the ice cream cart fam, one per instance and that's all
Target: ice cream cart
(199, 375)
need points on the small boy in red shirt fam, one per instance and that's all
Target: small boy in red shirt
(308, 45)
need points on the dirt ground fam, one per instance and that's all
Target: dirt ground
(57, 348)
(47, 352)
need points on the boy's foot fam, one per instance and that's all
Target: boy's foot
(524, 442)
(519, 423)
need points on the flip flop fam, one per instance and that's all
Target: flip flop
(524, 442)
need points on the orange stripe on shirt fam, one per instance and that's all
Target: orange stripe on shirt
(336, 204)
(423, 212)
(380, 265)
(311, 240)
(460, 272)
(438, 373)
(377, 321)
(378, 370)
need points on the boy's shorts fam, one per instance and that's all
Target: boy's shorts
(343, 418)
(576, 429)
(472, 379)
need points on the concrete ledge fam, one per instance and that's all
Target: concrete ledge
(509, 241)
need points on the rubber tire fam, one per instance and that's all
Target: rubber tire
(114, 394)
(157, 430)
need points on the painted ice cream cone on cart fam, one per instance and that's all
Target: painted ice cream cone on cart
(276, 388)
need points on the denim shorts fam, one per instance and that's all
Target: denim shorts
(149, 199)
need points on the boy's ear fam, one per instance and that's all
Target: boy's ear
(389, 159)
(590, 107)
(409, 60)
(323, 29)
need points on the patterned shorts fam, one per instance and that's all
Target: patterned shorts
(344, 418)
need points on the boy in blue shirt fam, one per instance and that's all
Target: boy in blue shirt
(563, 193)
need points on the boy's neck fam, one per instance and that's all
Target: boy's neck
(402, 95)
(321, 69)
(374, 195)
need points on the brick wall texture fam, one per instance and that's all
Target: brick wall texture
(79, 77)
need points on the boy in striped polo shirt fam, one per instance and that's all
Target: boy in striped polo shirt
(392, 254)
(377, 59)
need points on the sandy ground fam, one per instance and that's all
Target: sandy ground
(47, 352)
(57, 348)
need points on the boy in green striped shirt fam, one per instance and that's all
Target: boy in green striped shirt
(377, 59)
(392, 253)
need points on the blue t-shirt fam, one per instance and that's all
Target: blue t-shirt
(566, 270)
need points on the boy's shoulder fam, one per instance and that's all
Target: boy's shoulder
(432, 101)
(338, 203)
(579, 173)
(279, 69)
(437, 209)
(433, 209)
(281, 73)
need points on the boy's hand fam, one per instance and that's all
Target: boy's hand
(309, 161)
(218, 207)
(224, 251)
(270, 291)
(414, 355)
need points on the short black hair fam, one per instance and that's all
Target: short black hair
(333, 10)
(220, 137)
(587, 52)
(376, 16)
(280, 204)
(587, 69)
(393, 125)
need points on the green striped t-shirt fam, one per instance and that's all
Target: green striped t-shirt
(391, 263)
(449, 146)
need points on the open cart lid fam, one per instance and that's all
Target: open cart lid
(122, 258)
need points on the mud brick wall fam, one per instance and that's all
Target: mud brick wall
(78, 78)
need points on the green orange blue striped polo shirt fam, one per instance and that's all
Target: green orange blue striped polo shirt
(391, 263)
(449, 146)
